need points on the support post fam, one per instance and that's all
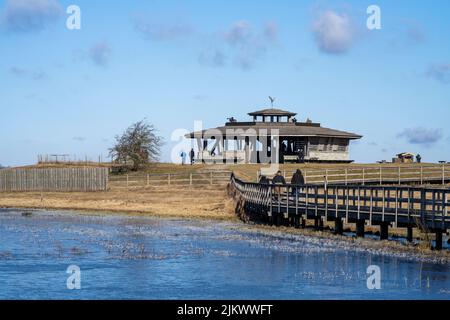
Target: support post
(297, 221)
(338, 226)
(438, 245)
(409, 234)
(316, 223)
(303, 223)
(278, 219)
(384, 230)
(360, 228)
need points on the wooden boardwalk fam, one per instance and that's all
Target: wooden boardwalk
(384, 206)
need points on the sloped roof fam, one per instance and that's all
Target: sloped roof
(272, 112)
(284, 129)
(406, 154)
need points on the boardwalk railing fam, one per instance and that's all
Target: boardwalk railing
(140, 180)
(398, 206)
(419, 174)
(54, 179)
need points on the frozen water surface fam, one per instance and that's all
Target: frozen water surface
(126, 257)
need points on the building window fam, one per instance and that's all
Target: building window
(342, 145)
(313, 144)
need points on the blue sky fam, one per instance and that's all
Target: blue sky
(174, 62)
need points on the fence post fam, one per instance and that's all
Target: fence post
(190, 179)
(443, 174)
(381, 176)
(346, 176)
(364, 175)
(148, 180)
(168, 179)
(399, 175)
(421, 175)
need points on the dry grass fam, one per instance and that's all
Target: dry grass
(207, 202)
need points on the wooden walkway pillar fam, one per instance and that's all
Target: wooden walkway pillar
(384, 230)
(438, 245)
(318, 224)
(271, 220)
(409, 234)
(360, 228)
(278, 219)
(338, 226)
(297, 221)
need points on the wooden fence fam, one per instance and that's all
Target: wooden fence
(422, 174)
(140, 180)
(54, 179)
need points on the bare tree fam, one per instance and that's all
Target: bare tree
(139, 144)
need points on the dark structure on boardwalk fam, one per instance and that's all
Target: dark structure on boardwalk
(272, 134)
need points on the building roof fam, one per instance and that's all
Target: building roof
(272, 112)
(291, 129)
(406, 154)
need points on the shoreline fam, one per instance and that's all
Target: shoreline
(124, 212)
(211, 203)
(391, 248)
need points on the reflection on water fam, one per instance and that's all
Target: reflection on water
(149, 258)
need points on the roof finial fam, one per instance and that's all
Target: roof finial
(272, 99)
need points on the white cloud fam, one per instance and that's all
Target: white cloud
(213, 57)
(421, 136)
(153, 30)
(100, 53)
(244, 44)
(28, 73)
(439, 72)
(29, 15)
(333, 32)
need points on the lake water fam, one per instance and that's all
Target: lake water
(126, 257)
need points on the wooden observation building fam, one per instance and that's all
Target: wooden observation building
(275, 135)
